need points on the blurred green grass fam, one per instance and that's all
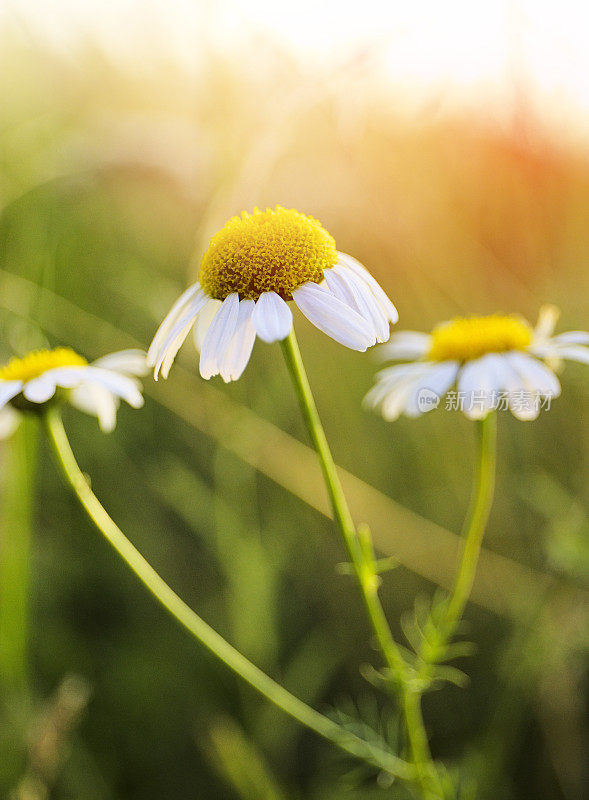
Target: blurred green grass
(111, 184)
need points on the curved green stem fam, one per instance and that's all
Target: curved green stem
(201, 631)
(359, 547)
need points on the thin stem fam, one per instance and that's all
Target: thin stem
(360, 550)
(473, 532)
(15, 552)
(201, 631)
(367, 579)
(450, 612)
(427, 774)
(476, 520)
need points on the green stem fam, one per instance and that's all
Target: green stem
(15, 551)
(427, 774)
(206, 635)
(359, 547)
(364, 570)
(473, 532)
(476, 520)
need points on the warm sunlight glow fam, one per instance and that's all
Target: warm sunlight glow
(457, 52)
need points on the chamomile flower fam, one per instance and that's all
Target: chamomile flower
(491, 362)
(45, 376)
(253, 267)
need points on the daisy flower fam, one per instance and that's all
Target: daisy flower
(253, 267)
(491, 362)
(45, 376)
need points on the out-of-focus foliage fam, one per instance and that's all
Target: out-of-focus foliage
(111, 184)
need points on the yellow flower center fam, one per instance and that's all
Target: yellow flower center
(267, 251)
(39, 361)
(467, 338)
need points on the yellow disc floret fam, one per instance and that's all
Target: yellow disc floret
(39, 361)
(467, 338)
(274, 250)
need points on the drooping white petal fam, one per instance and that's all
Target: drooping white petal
(9, 421)
(65, 376)
(219, 336)
(178, 333)
(479, 384)
(333, 317)
(129, 362)
(237, 355)
(427, 392)
(393, 386)
(271, 318)
(536, 376)
(390, 375)
(379, 293)
(40, 389)
(95, 399)
(8, 390)
(398, 400)
(405, 346)
(172, 349)
(203, 322)
(122, 386)
(353, 291)
(170, 320)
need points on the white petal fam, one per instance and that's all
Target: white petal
(400, 399)
(177, 334)
(353, 291)
(8, 390)
(406, 346)
(219, 336)
(393, 387)
(9, 421)
(390, 375)
(571, 337)
(509, 388)
(129, 362)
(536, 376)
(362, 272)
(120, 385)
(65, 376)
(172, 350)
(39, 390)
(272, 318)
(573, 353)
(479, 383)
(547, 319)
(333, 317)
(170, 320)
(429, 390)
(94, 399)
(203, 322)
(239, 351)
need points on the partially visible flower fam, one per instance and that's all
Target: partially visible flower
(45, 376)
(493, 361)
(254, 265)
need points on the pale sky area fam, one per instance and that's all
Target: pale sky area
(474, 51)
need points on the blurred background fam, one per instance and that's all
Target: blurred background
(445, 146)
